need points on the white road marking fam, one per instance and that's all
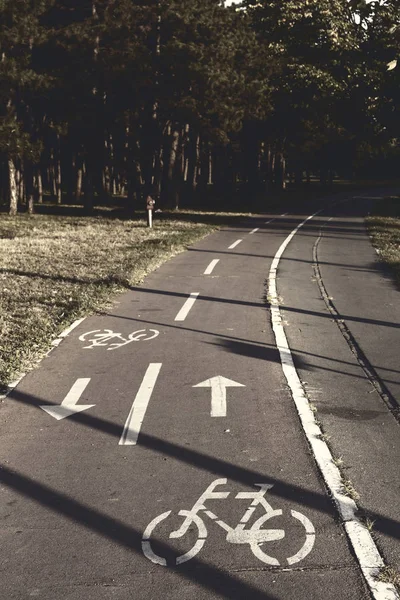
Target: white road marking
(183, 313)
(211, 266)
(255, 536)
(56, 342)
(364, 547)
(275, 218)
(218, 387)
(234, 244)
(137, 413)
(69, 405)
(105, 337)
(68, 330)
(254, 231)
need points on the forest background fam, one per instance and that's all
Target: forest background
(191, 101)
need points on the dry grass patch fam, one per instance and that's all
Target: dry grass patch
(56, 269)
(390, 575)
(384, 228)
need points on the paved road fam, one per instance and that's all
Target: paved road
(188, 409)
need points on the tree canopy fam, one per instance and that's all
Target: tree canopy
(172, 98)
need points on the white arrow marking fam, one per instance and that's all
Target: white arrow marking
(218, 387)
(69, 405)
(136, 415)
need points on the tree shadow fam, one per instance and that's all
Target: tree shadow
(253, 350)
(205, 462)
(226, 585)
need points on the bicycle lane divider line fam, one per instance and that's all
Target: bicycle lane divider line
(275, 219)
(267, 222)
(183, 313)
(53, 344)
(232, 246)
(364, 547)
(211, 266)
(137, 413)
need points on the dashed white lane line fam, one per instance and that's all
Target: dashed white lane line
(234, 244)
(274, 219)
(364, 546)
(211, 266)
(183, 313)
(66, 332)
(254, 231)
(137, 413)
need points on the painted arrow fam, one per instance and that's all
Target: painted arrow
(69, 405)
(218, 387)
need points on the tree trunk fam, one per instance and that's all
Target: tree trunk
(280, 167)
(19, 180)
(210, 168)
(58, 178)
(79, 179)
(39, 186)
(197, 164)
(172, 196)
(13, 188)
(30, 188)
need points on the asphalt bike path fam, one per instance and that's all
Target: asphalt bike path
(184, 407)
(343, 325)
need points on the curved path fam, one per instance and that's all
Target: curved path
(175, 400)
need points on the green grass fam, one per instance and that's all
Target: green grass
(384, 228)
(55, 269)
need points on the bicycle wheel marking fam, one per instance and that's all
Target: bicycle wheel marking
(255, 536)
(107, 338)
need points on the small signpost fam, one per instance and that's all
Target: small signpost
(150, 205)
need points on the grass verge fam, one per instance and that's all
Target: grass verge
(384, 228)
(55, 269)
(390, 575)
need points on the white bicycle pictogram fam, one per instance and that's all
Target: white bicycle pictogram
(255, 536)
(105, 337)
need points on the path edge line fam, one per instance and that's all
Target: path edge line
(363, 545)
(53, 344)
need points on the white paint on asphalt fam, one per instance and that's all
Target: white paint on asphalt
(211, 266)
(68, 330)
(183, 313)
(218, 387)
(232, 246)
(275, 218)
(137, 413)
(107, 337)
(11, 386)
(255, 536)
(254, 231)
(364, 547)
(69, 405)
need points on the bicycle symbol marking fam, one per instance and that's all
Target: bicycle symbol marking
(104, 337)
(254, 535)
